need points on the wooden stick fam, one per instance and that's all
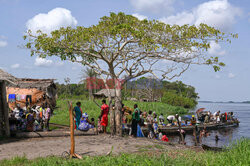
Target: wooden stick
(72, 138)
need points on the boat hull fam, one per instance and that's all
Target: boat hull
(173, 130)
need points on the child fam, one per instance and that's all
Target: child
(99, 125)
(92, 122)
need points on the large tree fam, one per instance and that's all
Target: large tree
(123, 45)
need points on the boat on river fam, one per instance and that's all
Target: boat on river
(172, 130)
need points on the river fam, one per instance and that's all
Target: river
(226, 135)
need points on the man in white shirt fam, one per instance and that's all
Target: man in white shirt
(170, 118)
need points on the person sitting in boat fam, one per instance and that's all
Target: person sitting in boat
(85, 124)
(217, 116)
(206, 119)
(193, 120)
(170, 119)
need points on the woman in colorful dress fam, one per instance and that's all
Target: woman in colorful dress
(85, 124)
(77, 113)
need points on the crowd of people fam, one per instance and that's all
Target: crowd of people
(216, 117)
(134, 119)
(37, 118)
(28, 118)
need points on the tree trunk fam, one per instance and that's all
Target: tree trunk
(112, 119)
(118, 113)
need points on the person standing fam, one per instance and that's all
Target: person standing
(30, 121)
(150, 120)
(161, 119)
(104, 116)
(155, 123)
(47, 117)
(135, 119)
(77, 112)
(41, 116)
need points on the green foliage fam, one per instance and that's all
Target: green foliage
(181, 89)
(238, 154)
(114, 36)
(71, 90)
(170, 97)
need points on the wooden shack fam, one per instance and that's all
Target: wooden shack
(32, 91)
(40, 91)
(104, 93)
(5, 79)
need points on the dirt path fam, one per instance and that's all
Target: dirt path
(85, 145)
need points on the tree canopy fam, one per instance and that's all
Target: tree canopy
(129, 46)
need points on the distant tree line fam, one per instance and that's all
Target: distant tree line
(144, 89)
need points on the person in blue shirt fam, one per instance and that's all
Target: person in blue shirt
(77, 112)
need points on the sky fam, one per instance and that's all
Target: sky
(232, 83)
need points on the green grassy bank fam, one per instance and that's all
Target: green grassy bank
(62, 114)
(237, 154)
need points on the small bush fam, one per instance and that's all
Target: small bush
(176, 100)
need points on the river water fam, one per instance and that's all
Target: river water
(226, 135)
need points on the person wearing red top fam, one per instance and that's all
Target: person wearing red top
(104, 115)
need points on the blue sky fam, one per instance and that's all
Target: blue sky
(231, 83)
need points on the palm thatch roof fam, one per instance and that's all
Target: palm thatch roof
(105, 93)
(8, 77)
(41, 84)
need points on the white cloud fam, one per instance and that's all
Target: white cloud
(15, 66)
(154, 6)
(231, 75)
(139, 16)
(215, 49)
(54, 19)
(3, 43)
(179, 19)
(217, 13)
(43, 62)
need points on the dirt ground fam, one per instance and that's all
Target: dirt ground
(85, 145)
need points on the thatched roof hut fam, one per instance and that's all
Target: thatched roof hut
(40, 90)
(8, 77)
(104, 93)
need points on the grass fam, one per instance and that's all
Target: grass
(62, 113)
(237, 154)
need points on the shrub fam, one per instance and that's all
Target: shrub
(170, 97)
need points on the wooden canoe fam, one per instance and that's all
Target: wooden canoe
(189, 129)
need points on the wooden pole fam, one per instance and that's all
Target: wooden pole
(5, 110)
(72, 138)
